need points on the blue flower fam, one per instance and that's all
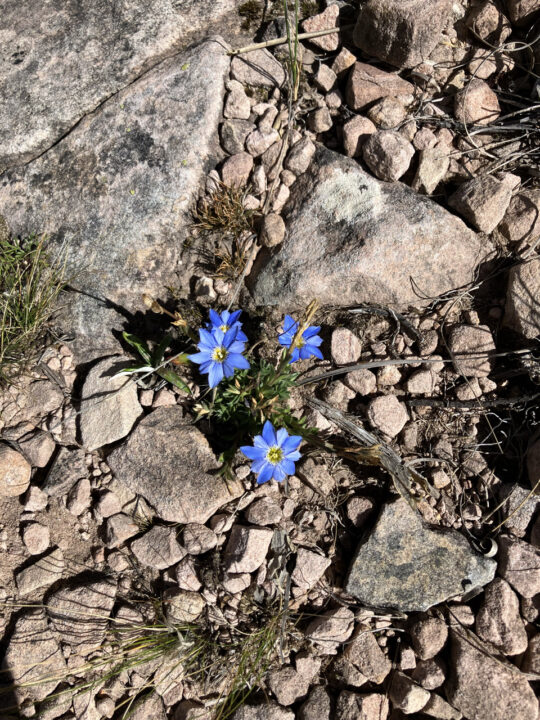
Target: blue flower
(306, 346)
(219, 354)
(225, 321)
(274, 454)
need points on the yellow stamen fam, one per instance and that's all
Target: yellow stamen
(224, 328)
(274, 455)
(219, 354)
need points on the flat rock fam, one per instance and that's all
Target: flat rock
(482, 201)
(62, 62)
(352, 706)
(522, 311)
(169, 462)
(40, 574)
(352, 239)
(79, 612)
(367, 83)
(115, 193)
(158, 548)
(15, 472)
(519, 564)
(482, 687)
(268, 711)
(109, 404)
(498, 620)
(33, 657)
(247, 548)
(401, 32)
(407, 565)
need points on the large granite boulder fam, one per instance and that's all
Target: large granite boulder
(170, 463)
(351, 239)
(117, 190)
(63, 58)
(407, 565)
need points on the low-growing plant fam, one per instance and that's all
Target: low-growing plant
(30, 283)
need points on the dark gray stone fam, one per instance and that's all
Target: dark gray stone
(66, 57)
(68, 467)
(352, 239)
(169, 462)
(116, 193)
(233, 134)
(409, 566)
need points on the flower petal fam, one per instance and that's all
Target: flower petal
(281, 436)
(317, 353)
(260, 442)
(279, 473)
(238, 361)
(266, 474)
(269, 434)
(237, 346)
(290, 325)
(258, 465)
(294, 455)
(200, 357)
(215, 318)
(233, 317)
(215, 374)
(291, 444)
(287, 466)
(311, 331)
(229, 337)
(315, 340)
(253, 453)
(207, 339)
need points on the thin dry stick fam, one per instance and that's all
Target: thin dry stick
(284, 40)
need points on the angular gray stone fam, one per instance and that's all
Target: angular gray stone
(40, 574)
(498, 620)
(351, 238)
(67, 467)
(109, 404)
(116, 191)
(33, 657)
(401, 32)
(522, 311)
(407, 565)
(268, 711)
(482, 201)
(63, 60)
(80, 610)
(15, 472)
(483, 688)
(158, 548)
(169, 462)
(258, 67)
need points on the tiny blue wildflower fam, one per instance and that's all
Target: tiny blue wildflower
(274, 453)
(308, 343)
(219, 354)
(225, 321)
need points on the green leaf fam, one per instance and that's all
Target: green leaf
(159, 351)
(140, 346)
(174, 379)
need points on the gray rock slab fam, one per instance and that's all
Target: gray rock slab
(407, 565)
(33, 658)
(79, 612)
(63, 59)
(40, 574)
(115, 194)
(109, 404)
(170, 463)
(351, 239)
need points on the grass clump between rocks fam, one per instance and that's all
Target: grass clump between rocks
(30, 283)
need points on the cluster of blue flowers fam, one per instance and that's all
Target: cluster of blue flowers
(220, 346)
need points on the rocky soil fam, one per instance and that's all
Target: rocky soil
(400, 189)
